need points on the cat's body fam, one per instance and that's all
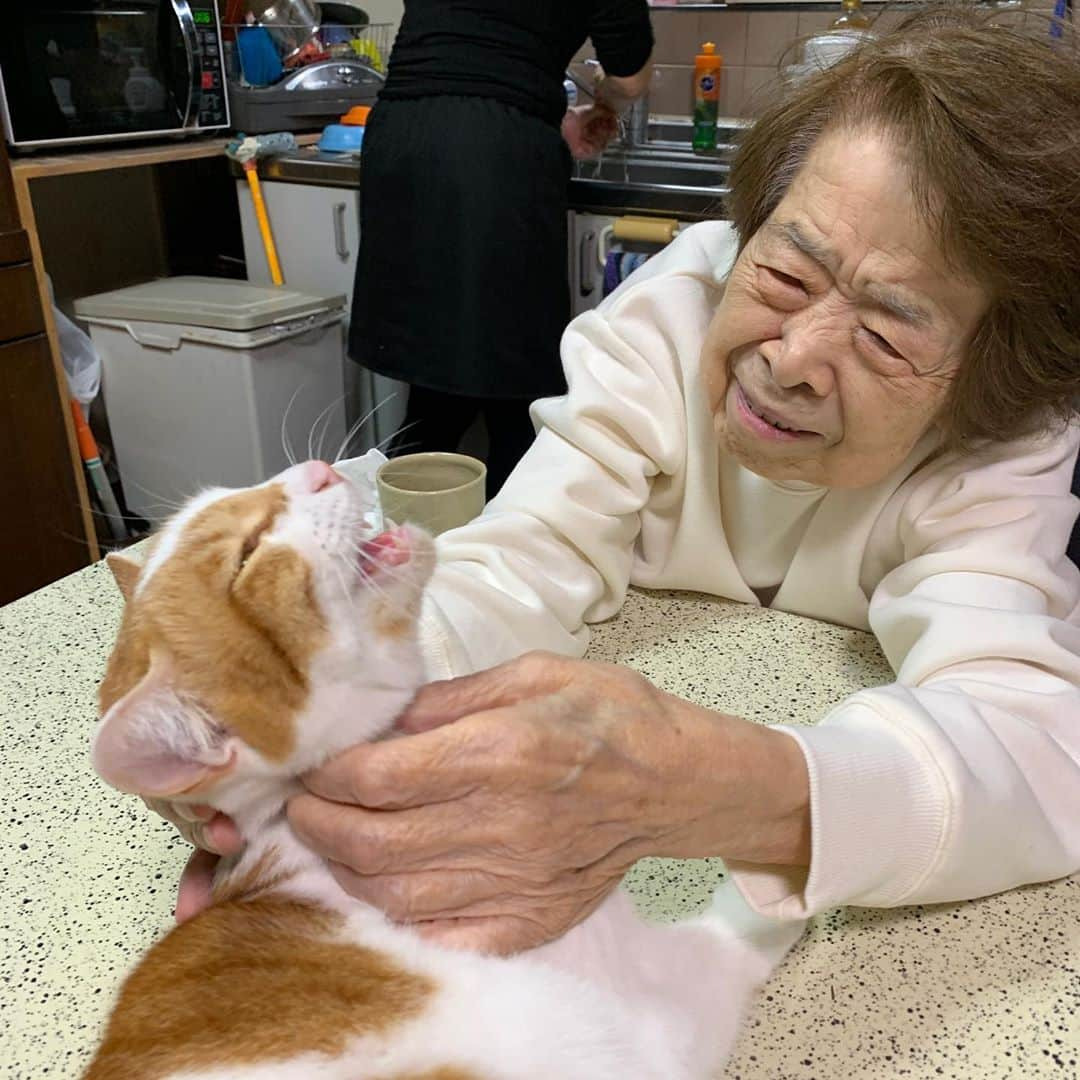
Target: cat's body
(267, 632)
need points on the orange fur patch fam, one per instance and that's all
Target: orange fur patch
(248, 982)
(238, 638)
(261, 877)
(445, 1073)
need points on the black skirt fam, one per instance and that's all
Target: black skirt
(461, 282)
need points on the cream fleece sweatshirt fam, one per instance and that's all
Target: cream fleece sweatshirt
(959, 779)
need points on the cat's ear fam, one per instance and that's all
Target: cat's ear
(125, 571)
(154, 742)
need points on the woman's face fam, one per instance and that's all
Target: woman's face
(841, 326)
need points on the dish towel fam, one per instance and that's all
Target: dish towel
(618, 266)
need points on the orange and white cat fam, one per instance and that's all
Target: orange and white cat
(269, 629)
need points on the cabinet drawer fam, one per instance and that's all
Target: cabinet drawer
(14, 247)
(20, 310)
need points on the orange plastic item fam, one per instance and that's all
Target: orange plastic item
(357, 115)
(88, 448)
(707, 65)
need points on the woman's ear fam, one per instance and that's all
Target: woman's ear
(125, 571)
(154, 742)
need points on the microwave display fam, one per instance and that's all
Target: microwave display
(106, 69)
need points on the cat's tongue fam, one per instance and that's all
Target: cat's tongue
(390, 548)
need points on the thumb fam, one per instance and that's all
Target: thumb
(196, 885)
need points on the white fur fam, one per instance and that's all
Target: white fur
(168, 539)
(614, 999)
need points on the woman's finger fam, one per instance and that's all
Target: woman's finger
(434, 766)
(497, 936)
(196, 884)
(375, 842)
(219, 835)
(534, 675)
(193, 812)
(436, 894)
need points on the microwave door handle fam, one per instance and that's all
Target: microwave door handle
(186, 20)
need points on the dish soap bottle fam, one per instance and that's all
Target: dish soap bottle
(852, 17)
(707, 65)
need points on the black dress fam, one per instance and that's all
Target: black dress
(462, 284)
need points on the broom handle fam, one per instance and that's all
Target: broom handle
(263, 219)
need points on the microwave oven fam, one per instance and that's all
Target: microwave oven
(90, 71)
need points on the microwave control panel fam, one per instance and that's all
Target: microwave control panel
(212, 110)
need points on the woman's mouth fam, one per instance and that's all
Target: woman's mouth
(764, 422)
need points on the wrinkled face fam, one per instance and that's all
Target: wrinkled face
(841, 327)
(270, 628)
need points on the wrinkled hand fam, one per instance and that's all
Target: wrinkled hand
(587, 129)
(524, 795)
(212, 834)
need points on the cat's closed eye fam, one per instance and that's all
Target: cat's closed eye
(252, 541)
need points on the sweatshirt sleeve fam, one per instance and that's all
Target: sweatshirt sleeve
(554, 549)
(961, 778)
(622, 35)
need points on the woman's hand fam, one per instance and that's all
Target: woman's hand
(212, 834)
(526, 792)
(587, 129)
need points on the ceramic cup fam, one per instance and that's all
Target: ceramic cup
(435, 491)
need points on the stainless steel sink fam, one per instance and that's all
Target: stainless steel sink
(653, 170)
(662, 175)
(672, 134)
(666, 159)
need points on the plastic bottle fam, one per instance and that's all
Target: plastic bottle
(707, 65)
(851, 17)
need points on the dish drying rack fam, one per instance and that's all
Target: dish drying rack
(298, 47)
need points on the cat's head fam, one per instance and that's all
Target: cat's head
(269, 628)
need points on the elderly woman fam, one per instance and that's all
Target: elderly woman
(855, 405)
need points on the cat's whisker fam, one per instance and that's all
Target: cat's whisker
(400, 582)
(341, 580)
(315, 425)
(350, 435)
(394, 434)
(355, 429)
(371, 583)
(326, 426)
(286, 442)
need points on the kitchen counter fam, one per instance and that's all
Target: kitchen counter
(587, 191)
(985, 990)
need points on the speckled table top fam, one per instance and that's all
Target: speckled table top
(980, 990)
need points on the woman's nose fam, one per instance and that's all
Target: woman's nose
(319, 475)
(804, 356)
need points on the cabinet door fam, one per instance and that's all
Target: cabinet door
(316, 232)
(317, 235)
(43, 537)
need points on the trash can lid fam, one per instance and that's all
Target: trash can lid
(222, 303)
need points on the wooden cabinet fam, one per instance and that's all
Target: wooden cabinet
(42, 526)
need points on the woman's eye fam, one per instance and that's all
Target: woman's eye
(882, 343)
(787, 280)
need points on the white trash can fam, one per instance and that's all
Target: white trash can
(208, 380)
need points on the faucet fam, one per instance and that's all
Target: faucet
(634, 125)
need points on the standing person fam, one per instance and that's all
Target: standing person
(461, 284)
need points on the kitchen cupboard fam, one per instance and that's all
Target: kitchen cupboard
(43, 531)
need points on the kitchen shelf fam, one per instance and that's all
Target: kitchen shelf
(116, 157)
(785, 5)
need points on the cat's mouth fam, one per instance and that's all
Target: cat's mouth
(385, 551)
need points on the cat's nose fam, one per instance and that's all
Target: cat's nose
(319, 475)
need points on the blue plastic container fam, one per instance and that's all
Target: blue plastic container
(342, 138)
